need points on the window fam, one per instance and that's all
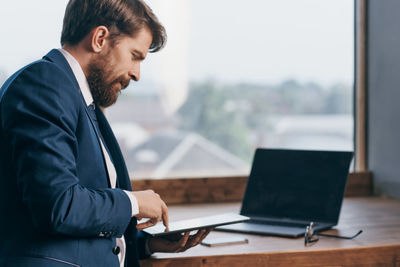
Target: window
(234, 75)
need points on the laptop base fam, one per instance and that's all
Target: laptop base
(272, 230)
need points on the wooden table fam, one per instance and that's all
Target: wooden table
(378, 245)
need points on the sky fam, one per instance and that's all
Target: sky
(258, 41)
(275, 40)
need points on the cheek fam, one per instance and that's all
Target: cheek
(118, 70)
(112, 75)
(121, 73)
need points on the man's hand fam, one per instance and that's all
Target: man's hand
(178, 242)
(150, 206)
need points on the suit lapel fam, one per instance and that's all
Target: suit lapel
(123, 180)
(58, 58)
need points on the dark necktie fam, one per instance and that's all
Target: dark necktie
(92, 114)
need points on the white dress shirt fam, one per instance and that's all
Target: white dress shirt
(112, 174)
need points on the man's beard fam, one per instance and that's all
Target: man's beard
(102, 89)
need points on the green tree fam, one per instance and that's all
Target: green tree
(210, 111)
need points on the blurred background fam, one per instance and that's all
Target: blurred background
(235, 75)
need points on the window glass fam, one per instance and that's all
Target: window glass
(235, 75)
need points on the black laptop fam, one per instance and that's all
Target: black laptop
(288, 189)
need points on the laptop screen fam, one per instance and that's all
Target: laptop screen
(297, 184)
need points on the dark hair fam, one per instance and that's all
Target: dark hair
(121, 17)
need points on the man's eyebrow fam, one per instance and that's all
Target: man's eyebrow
(139, 54)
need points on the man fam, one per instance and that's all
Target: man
(66, 198)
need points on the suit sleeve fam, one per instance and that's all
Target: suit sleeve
(39, 117)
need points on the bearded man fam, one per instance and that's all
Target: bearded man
(66, 198)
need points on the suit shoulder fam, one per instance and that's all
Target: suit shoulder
(44, 88)
(46, 72)
(40, 66)
(42, 77)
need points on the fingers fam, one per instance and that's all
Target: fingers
(165, 217)
(205, 234)
(146, 224)
(194, 240)
(182, 243)
(198, 237)
(178, 242)
(151, 206)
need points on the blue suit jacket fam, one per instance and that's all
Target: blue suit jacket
(56, 207)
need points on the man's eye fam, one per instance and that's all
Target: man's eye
(134, 57)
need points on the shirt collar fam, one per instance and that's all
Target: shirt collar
(79, 75)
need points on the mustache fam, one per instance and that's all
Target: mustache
(124, 83)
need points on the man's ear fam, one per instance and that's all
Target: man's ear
(99, 38)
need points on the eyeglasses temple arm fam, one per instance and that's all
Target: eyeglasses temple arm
(342, 237)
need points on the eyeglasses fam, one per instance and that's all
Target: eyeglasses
(312, 236)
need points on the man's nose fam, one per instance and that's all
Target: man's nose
(135, 73)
